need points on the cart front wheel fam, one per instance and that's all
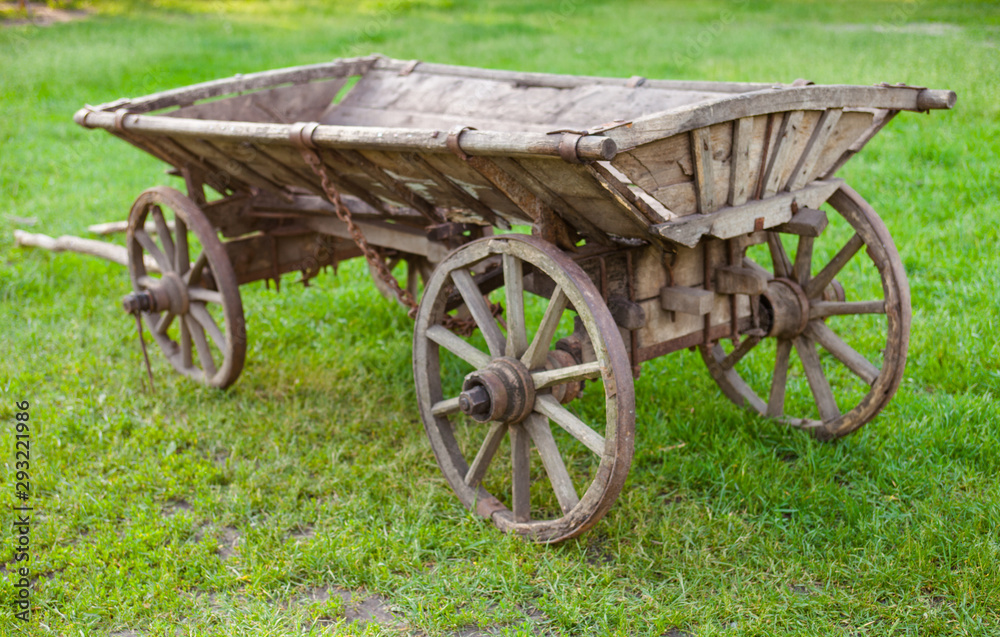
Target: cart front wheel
(842, 306)
(193, 311)
(523, 379)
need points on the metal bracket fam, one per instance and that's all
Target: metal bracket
(454, 139)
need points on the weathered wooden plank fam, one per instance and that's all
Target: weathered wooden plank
(880, 119)
(610, 176)
(781, 154)
(232, 166)
(849, 128)
(458, 193)
(807, 161)
(521, 78)
(688, 118)
(754, 215)
(405, 195)
(285, 104)
(625, 205)
(474, 142)
(581, 223)
(741, 174)
(694, 301)
(251, 82)
(704, 177)
(807, 222)
(733, 279)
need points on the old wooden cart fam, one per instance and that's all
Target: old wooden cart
(663, 215)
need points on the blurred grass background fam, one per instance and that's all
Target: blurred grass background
(253, 511)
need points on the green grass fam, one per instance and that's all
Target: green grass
(313, 475)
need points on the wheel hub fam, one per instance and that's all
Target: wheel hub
(170, 293)
(789, 308)
(502, 392)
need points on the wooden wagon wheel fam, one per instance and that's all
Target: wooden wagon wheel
(484, 400)
(862, 333)
(415, 269)
(196, 315)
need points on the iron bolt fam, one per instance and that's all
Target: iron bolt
(138, 302)
(475, 401)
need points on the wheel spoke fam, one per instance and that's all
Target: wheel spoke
(480, 311)
(782, 266)
(822, 334)
(163, 324)
(548, 406)
(193, 276)
(457, 346)
(517, 336)
(741, 351)
(520, 448)
(477, 470)
(205, 296)
(186, 359)
(776, 399)
(814, 288)
(552, 377)
(540, 431)
(535, 356)
(164, 233)
(201, 345)
(823, 309)
(803, 260)
(818, 383)
(147, 282)
(445, 407)
(200, 314)
(154, 250)
(182, 255)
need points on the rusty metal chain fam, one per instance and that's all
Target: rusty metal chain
(461, 326)
(371, 254)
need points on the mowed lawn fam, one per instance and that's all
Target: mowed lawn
(306, 499)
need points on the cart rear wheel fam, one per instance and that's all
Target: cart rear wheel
(859, 321)
(198, 321)
(487, 398)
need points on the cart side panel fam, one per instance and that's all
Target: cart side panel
(849, 129)
(427, 100)
(801, 129)
(286, 104)
(576, 185)
(729, 163)
(459, 172)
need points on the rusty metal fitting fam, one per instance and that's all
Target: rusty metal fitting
(302, 134)
(139, 302)
(502, 392)
(120, 119)
(454, 141)
(567, 147)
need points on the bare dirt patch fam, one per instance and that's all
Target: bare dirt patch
(41, 15)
